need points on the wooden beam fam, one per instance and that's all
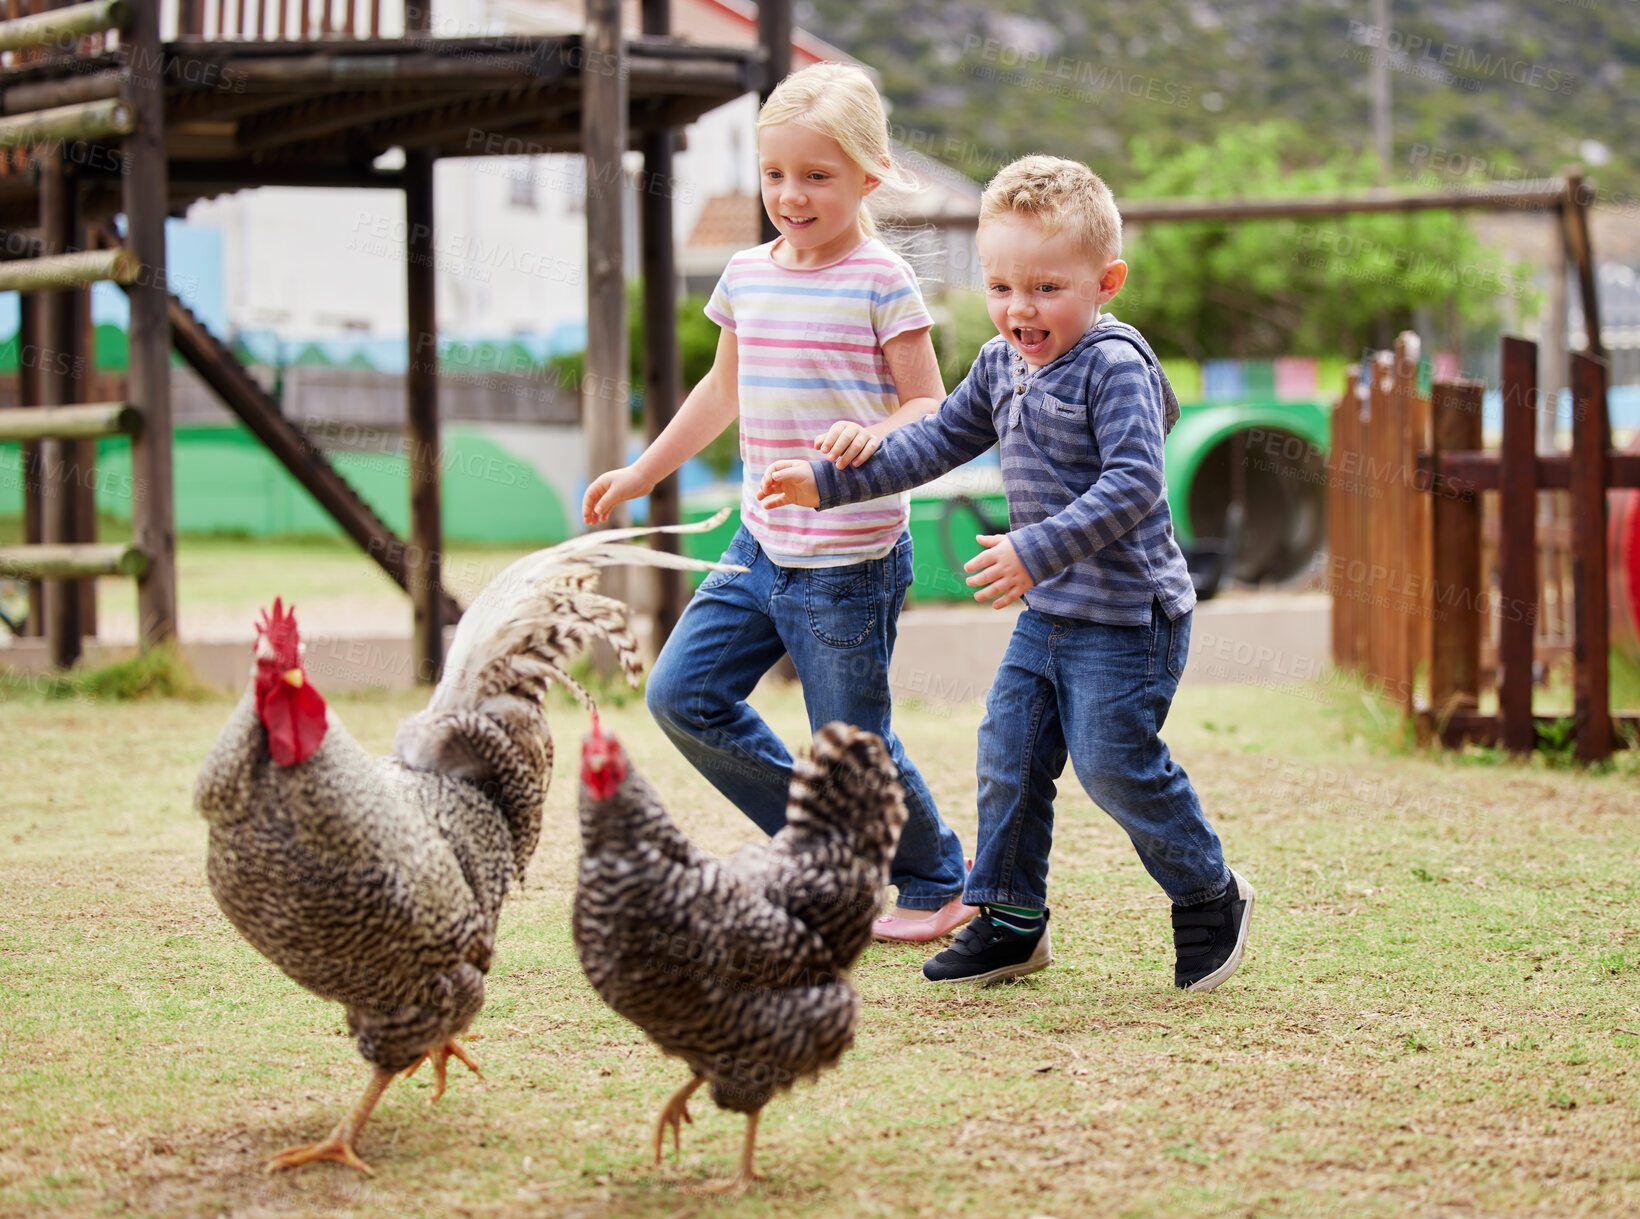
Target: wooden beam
(28, 395)
(60, 361)
(1543, 196)
(1476, 470)
(94, 120)
(1591, 674)
(1517, 544)
(72, 562)
(774, 36)
(472, 120)
(1574, 217)
(47, 94)
(199, 177)
(1478, 728)
(76, 270)
(1455, 559)
(421, 419)
(55, 25)
(662, 378)
(605, 388)
(324, 116)
(70, 422)
(148, 333)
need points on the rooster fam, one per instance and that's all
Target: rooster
(377, 882)
(738, 966)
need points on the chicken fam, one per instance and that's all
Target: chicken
(377, 882)
(738, 966)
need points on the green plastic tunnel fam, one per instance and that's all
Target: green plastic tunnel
(1283, 452)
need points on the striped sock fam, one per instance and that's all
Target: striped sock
(1016, 918)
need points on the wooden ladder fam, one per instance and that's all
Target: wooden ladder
(56, 270)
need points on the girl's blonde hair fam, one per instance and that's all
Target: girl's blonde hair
(839, 101)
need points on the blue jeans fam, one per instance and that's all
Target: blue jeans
(1098, 695)
(838, 624)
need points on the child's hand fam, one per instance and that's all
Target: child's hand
(999, 569)
(610, 489)
(845, 442)
(788, 482)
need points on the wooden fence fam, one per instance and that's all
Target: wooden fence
(1454, 602)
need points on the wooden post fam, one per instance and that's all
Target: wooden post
(1458, 586)
(153, 513)
(662, 378)
(28, 395)
(85, 447)
(1574, 216)
(1340, 511)
(774, 34)
(1402, 556)
(1382, 446)
(1517, 545)
(605, 384)
(58, 386)
(1591, 676)
(421, 422)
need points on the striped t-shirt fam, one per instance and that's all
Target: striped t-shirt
(811, 353)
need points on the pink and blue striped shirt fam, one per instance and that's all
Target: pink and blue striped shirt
(811, 353)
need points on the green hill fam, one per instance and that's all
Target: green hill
(1516, 88)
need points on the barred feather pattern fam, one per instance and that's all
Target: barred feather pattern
(738, 966)
(364, 882)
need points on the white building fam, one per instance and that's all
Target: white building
(311, 264)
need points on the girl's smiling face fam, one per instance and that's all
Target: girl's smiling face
(812, 191)
(1042, 292)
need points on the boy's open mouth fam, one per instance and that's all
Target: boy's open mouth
(1030, 341)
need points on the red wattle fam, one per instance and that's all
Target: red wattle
(603, 764)
(295, 719)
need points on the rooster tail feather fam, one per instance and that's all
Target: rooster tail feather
(485, 722)
(545, 604)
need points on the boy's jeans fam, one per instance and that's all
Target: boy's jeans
(838, 624)
(1099, 695)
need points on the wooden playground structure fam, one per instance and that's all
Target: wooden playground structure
(1445, 594)
(103, 112)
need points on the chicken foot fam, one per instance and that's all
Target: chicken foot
(738, 1184)
(674, 1115)
(339, 1146)
(439, 1055)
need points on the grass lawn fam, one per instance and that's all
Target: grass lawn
(1438, 1014)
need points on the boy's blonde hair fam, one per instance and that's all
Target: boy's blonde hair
(1058, 194)
(840, 101)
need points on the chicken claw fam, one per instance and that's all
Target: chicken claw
(339, 1146)
(440, 1055)
(674, 1115)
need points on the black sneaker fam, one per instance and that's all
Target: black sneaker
(1208, 938)
(986, 951)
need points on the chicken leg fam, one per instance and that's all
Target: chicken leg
(674, 1115)
(440, 1055)
(738, 1184)
(339, 1146)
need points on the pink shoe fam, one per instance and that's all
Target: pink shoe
(920, 930)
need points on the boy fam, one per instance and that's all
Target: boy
(1079, 406)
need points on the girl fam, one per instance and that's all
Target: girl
(824, 331)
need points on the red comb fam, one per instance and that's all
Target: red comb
(279, 628)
